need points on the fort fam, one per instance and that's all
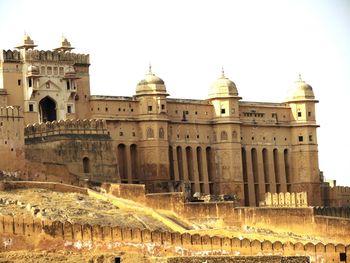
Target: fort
(160, 153)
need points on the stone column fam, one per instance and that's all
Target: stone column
(272, 174)
(250, 175)
(195, 170)
(282, 169)
(175, 165)
(205, 171)
(128, 163)
(184, 164)
(261, 179)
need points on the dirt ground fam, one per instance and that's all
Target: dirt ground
(74, 208)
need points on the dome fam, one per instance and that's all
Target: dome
(151, 84)
(301, 91)
(223, 87)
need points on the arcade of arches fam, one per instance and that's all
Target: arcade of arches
(264, 170)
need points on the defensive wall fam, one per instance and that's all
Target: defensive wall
(22, 232)
(238, 259)
(11, 139)
(83, 148)
(298, 220)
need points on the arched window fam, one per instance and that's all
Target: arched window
(234, 136)
(86, 165)
(161, 133)
(223, 136)
(150, 133)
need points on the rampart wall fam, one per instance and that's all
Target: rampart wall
(22, 233)
(68, 126)
(19, 233)
(81, 147)
(301, 221)
(11, 139)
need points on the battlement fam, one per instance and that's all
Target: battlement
(68, 126)
(286, 199)
(43, 56)
(341, 189)
(11, 112)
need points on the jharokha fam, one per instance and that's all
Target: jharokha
(259, 157)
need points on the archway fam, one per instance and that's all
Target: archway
(47, 109)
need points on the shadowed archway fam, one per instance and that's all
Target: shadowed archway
(47, 109)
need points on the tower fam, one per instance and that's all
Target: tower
(223, 95)
(304, 155)
(153, 123)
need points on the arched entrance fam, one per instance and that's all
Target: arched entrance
(47, 109)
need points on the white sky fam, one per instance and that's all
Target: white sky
(263, 45)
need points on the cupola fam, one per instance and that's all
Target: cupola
(151, 84)
(64, 45)
(223, 87)
(301, 91)
(27, 43)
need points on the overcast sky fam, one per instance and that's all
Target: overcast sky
(262, 45)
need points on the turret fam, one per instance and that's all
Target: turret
(304, 155)
(223, 94)
(151, 92)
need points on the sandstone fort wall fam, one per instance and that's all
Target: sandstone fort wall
(32, 233)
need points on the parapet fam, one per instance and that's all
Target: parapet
(286, 199)
(42, 55)
(61, 127)
(12, 112)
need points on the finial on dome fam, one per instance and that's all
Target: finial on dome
(222, 72)
(300, 79)
(150, 68)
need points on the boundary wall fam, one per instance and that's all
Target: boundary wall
(21, 233)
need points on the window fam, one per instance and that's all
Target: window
(121, 133)
(149, 108)
(49, 70)
(301, 138)
(106, 109)
(31, 107)
(69, 109)
(163, 106)
(310, 138)
(19, 82)
(223, 111)
(30, 82)
(55, 71)
(133, 134)
(68, 85)
(309, 114)
(61, 71)
(299, 113)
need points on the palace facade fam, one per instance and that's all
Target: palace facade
(220, 145)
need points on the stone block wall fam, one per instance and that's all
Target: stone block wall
(19, 233)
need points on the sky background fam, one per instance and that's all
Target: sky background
(262, 45)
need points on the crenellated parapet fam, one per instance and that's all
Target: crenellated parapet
(10, 56)
(43, 56)
(11, 112)
(68, 126)
(286, 199)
